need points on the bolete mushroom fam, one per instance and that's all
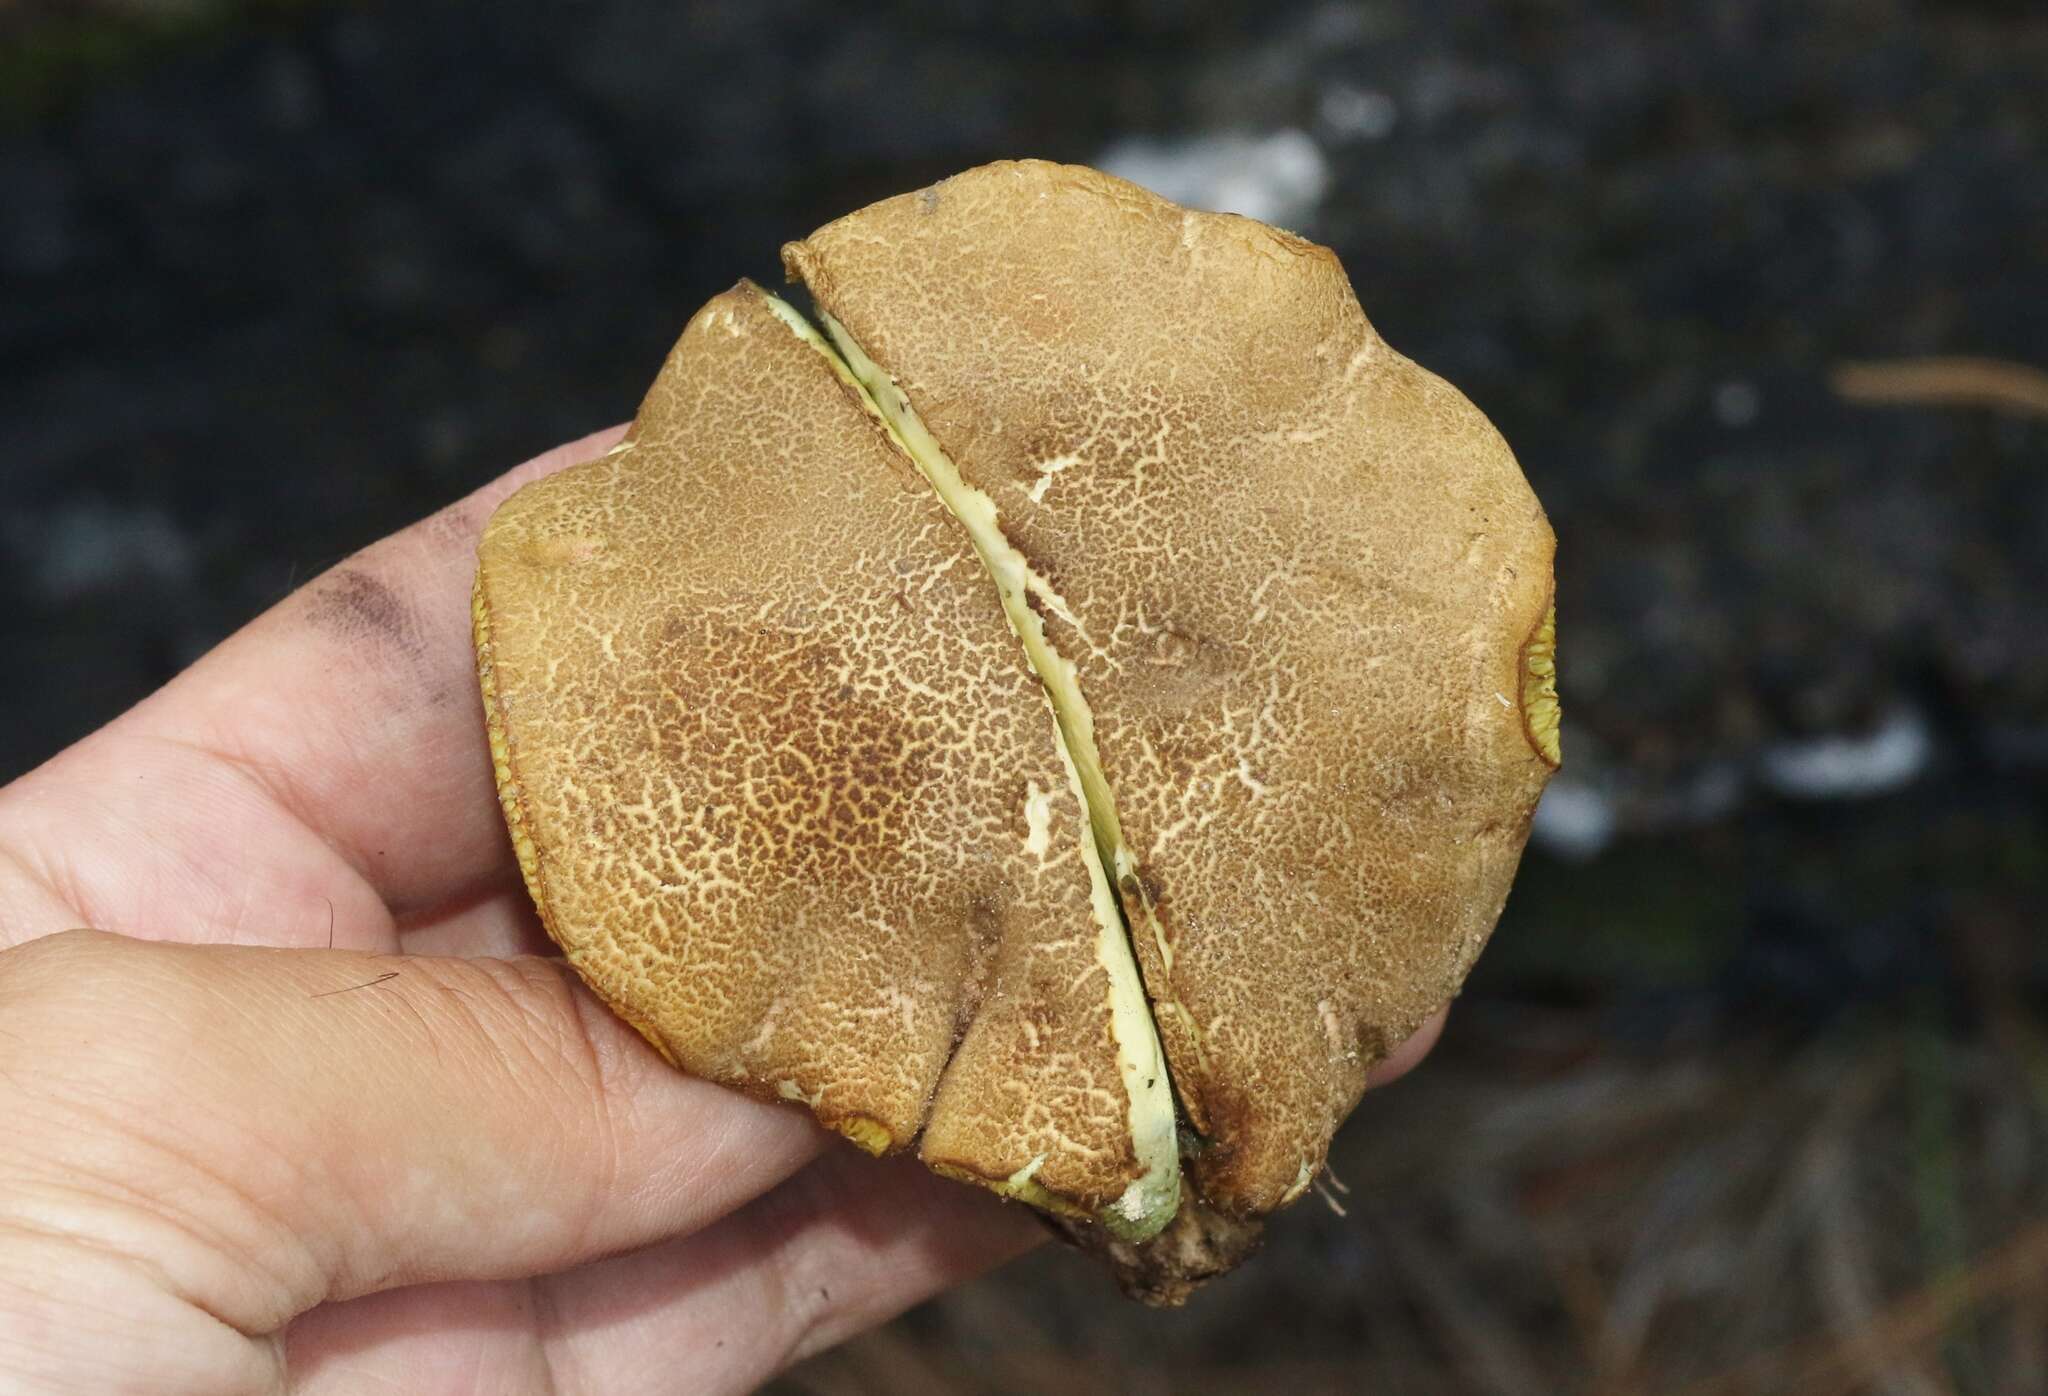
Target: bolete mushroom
(1072, 717)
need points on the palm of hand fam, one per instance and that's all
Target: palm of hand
(424, 1171)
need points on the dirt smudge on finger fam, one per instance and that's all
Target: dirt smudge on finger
(372, 622)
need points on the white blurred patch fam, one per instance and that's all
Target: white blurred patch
(1278, 178)
(1736, 403)
(1887, 757)
(1351, 113)
(89, 547)
(1573, 821)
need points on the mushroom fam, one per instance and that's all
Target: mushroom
(1072, 717)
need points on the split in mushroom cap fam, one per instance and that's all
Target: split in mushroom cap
(784, 783)
(1299, 579)
(786, 791)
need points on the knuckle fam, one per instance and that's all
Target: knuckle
(60, 989)
(532, 1021)
(57, 961)
(522, 1013)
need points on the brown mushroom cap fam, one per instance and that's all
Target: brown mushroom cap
(784, 787)
(1297, 575)
(1113, 659)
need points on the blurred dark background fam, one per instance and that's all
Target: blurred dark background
(1751, 1093)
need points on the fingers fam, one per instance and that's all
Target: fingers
(847, 1244)
(269, 1129)
(251, 1132)
(1409, 1055)
(844, 1245)
(337, 739)
(499, 924)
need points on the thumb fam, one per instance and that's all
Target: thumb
(264, 1129)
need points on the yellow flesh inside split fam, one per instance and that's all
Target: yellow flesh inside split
(1539, 689)
(1150, 1202)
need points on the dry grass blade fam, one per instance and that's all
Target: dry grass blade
(1753, 1218)
(1832, 1367)
(1944, 382)
(1487, 1350)
(1845, 1276)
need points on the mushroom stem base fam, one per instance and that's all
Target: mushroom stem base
(1199, 1244)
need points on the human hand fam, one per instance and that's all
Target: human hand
(322, 1114)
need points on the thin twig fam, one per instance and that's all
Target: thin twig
(1944, 382)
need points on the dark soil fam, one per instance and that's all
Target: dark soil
(280, 278)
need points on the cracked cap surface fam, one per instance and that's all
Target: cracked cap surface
(1302, 574)
(781, 782)
(787, 790)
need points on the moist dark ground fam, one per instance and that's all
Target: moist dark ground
(1755, 1072)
